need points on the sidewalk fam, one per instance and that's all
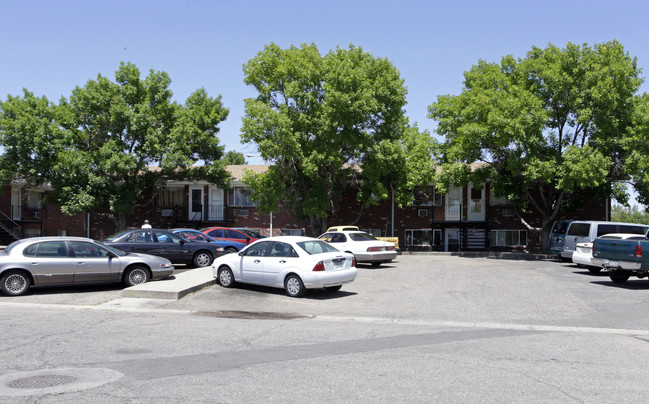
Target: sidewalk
(176, 287)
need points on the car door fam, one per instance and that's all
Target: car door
(252, 263)
(50, 262)
(280, 256)
(171, 247)
(94, 263)
(138, 241)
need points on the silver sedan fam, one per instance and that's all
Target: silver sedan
(46, 261)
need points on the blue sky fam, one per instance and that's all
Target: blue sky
(49, 47)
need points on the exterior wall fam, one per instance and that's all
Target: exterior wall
(430, 220)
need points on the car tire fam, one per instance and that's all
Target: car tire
(294, 286)
(231, 250)
(333, 288)
(15, 283)
(226, 277)
(202, 259)
(136, 275)
(619, 276)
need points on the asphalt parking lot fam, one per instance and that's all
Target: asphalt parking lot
(429, 328)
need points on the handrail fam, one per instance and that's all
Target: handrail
(5, 218)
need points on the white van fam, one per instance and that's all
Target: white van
(581, 231)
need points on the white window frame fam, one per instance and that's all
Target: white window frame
(239, 196)
(498, 238)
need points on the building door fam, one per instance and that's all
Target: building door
(195, 203)
(476, 211)
(452, 240)
(16, 204)
(216, 204)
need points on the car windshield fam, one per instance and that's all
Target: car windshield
(361, 236)
(313, 247)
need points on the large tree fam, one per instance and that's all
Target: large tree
(317, 119)
(111, 143)
(551, 127)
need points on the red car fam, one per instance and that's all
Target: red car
(226, 233)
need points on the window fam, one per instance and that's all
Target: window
(291, 232)
(84, 249)
(373, 232)
(240, 196)
(236, 235)
(31, 232)
(508, 238)
(169, 197)
(47, 249)
(257, 250)
(316, 247)
(426, 196)
(282, 250)
(579, 229)
(142, 236)
(34, 199)
(422, 212)
(497, 200)
(419, 237)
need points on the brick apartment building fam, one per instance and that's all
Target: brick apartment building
(466, 218)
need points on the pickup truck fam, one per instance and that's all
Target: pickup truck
(621, 255)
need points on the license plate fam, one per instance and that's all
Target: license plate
(613, 264)
(339, 263)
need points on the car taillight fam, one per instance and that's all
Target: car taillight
(354, 261)
(319, 267)
(638, 251)
(373, 249)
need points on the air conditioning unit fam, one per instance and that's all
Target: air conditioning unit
(37, 214)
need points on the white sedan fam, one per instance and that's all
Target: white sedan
(364, 246)
(292, 263)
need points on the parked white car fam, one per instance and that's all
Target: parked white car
(290, 262)
(364, 246)
(583, 254)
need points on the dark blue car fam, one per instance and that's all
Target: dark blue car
(195, 235)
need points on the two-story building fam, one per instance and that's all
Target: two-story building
(467, 218)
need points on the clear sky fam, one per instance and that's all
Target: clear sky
(49, 47)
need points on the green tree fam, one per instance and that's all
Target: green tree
(318, 118)
(97, 148)
(234, 158)
(551, 127)
(630, 214)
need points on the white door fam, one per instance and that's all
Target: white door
(16, 204)
(452, 240)
(216, 204)
(476, 211)
(195, 203)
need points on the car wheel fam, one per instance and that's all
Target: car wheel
(619, 276)
(15, 283)
(333, 288)
(226, 277)
(230, 250)
(594, 270)
(136, 275)
(202, 259)
(294, 286)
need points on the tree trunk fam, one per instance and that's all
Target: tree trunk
(318, 225)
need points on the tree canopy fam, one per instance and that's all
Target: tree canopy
(96, 149)
(553, 126)
(318, 119)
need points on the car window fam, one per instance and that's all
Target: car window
(215, 233)
(361, 236)
(164, 237)
(47, 249)
(85, 249)
(282, 250)
(579, 229)
(606, 229)
(326, 237)
(316, 247)
(631, 229)
(235, 234)
(338, 238)
(257, 250)
(140, 236)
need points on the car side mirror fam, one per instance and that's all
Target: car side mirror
(240, 253)
(111, 255)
